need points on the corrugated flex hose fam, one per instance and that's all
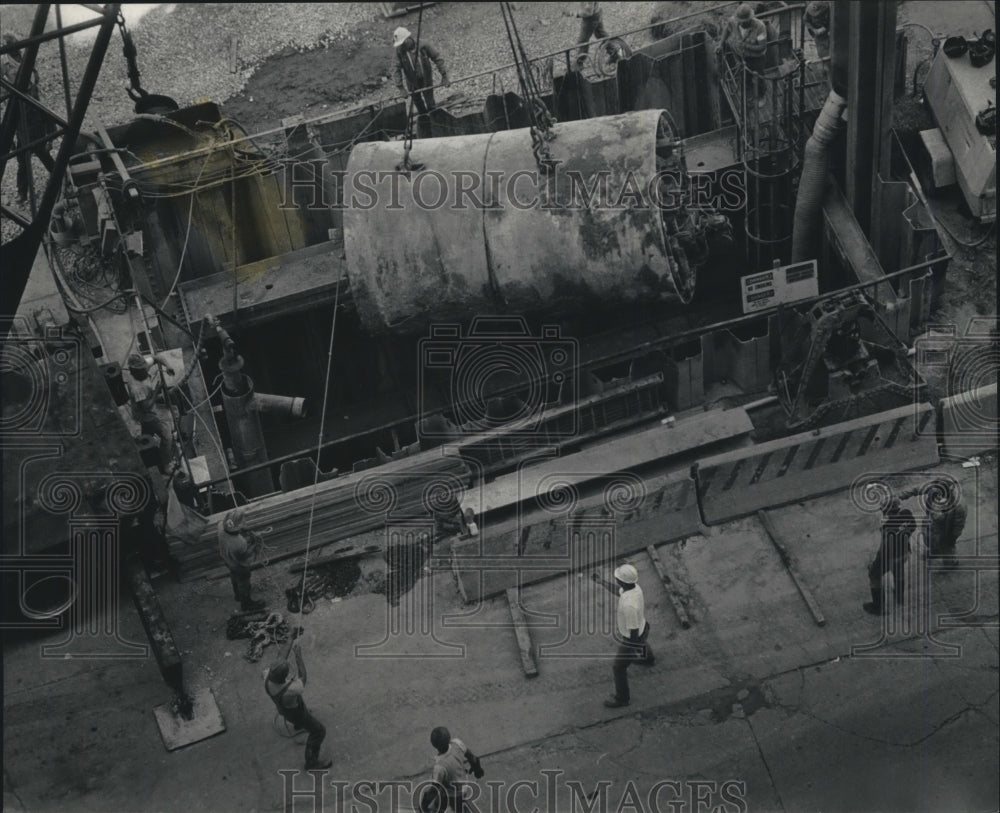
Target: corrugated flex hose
(812, 181)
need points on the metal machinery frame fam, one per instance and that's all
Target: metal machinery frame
(19, 251)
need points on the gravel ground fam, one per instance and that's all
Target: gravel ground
(266, 61)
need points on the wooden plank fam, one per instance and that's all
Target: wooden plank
(668, 585)
(792, 568)
(521, 631)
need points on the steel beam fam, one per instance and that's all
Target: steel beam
(870, 69)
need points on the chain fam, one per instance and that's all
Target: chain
(135, 90)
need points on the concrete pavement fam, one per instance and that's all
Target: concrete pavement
(755, 694)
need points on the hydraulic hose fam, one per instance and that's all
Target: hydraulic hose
(812, 181)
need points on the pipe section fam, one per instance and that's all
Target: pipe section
(280, 405)
(420, 250)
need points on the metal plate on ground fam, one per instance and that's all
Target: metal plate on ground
(205, 722)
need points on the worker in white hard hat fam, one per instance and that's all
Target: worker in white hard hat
(239, 547)
(415, 69)
(631, 633)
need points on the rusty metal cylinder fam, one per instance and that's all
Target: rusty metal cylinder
(475, 227)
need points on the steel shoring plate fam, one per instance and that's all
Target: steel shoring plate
(205, 722)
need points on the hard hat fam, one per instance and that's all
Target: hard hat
(815, 8)
(399, 36)
(279, 672)
(234, 520)
(744, 12)
(627, 574)
(137, 362)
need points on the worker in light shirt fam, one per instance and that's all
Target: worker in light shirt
(631, 633)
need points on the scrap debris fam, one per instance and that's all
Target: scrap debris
(262, 628)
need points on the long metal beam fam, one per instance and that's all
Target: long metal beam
(870, 74)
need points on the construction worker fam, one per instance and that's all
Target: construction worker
(452, 766)
(897, 527)
(239, 548)
(144, 393)
(31, 126)
(415, 69)
(817, 20)
(947, 515)
(632, 630)
(746, 38)
(286, 691)
(591, 24)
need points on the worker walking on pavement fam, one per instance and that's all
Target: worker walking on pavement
(286, 690)
(415, 69)
(946, 514)
(746, 38)
(239, 547)
(453, 765)
(898, 526)
(632, 630)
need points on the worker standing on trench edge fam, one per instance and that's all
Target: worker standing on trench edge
(631, 633)
(898, 526)
(415, 69)
(239, 547)
(591, 25)
(286, 691)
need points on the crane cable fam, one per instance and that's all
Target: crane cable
(406, 165)
(319, 442)
(538, 113)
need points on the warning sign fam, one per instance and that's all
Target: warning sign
(780, 285)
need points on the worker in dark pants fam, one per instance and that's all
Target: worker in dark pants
(144, 393)
(591, 25)
(239, 548)
(286, 690)
(632, 631)
(32, 125)
(898, 526)
(415, 69)
(745, 37)
(947, 515)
